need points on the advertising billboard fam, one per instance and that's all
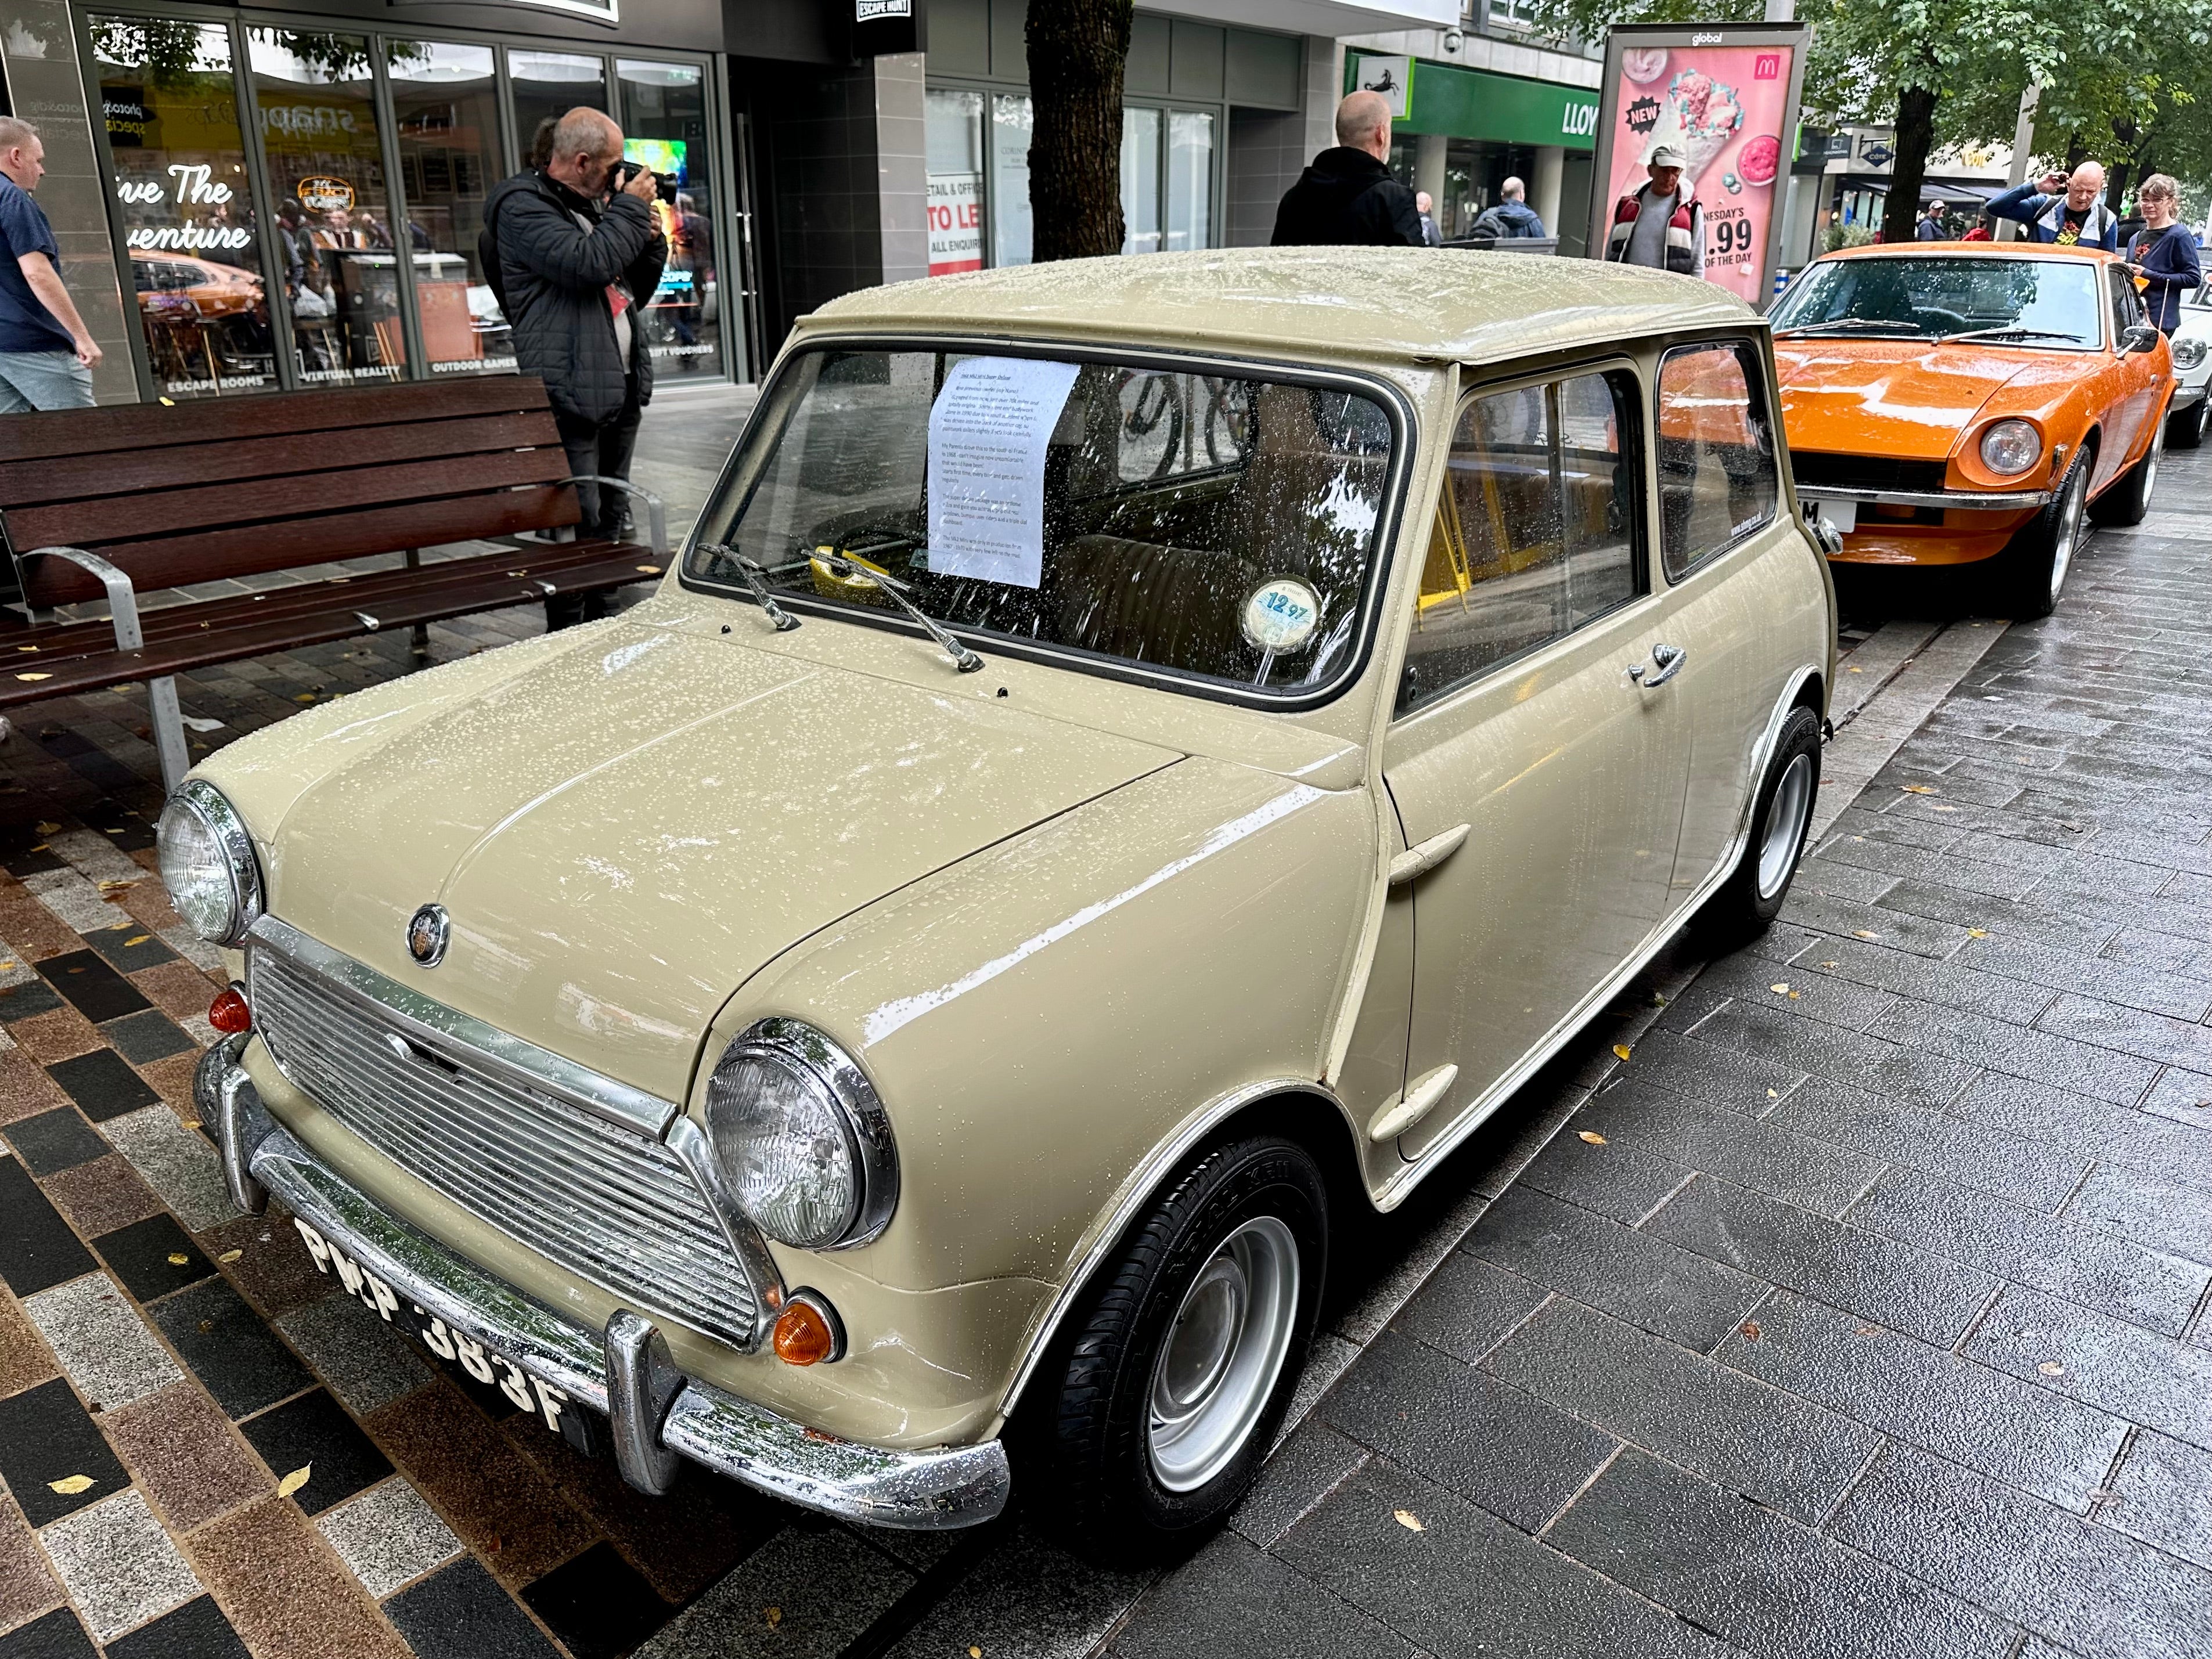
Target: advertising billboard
(1726, 96)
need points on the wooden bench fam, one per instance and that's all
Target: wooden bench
(122, 502)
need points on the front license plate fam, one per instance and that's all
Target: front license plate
(478, 1361)
(1844, 515)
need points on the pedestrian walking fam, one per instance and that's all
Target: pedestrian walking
(2163, 253)
(1661, 224)
(1510, 217)
(569, 259)
(46, 353)
(1931, 228)
(1424, 205)
(1346, 197)
(2065, 208)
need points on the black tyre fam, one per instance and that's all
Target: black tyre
(2041, 555)
(2184, 428)
(1169, 1395)
(2129, 499)
(1781, 813)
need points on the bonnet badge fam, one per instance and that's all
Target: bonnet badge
(426, 932)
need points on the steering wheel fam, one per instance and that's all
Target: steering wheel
(1952, 319)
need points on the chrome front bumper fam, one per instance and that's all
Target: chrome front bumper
(936, 1490)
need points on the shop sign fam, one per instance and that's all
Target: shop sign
(306, 120)
(1463, 103)
(127, 116)
(869, 11)
(194, 187)
(1727, 99)
(324, 194)
(956, 222)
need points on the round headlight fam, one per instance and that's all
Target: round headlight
(800, 1137)
(2010, 448)
(2188, 351)
(208, 863)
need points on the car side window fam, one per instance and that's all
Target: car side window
(2127, 305)
(1537, 531)
(1717, 472)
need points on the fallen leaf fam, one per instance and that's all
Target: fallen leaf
(773, 1615)
(1827, 964)
(1620, 1051)
(1870, 1330)
(1863, 933)
(1592, 1136)
(49, 828)
(1780, 990)
(2051, 1368)
(650, 569)
(178, 1259)
(1916, 789)
(305, 696)
(292, 1482)
(1976, 932)
(1854, 670)
(1773, 1095)
(1750, 1328)
(229, 1256)
(1940, 807)
(1409, 1520)
(189, 1123)
(135, 939)
(1793, 996)
(34, 676)
(207, 1327)
(70, 1485)
(26, 647)
(975, 1652)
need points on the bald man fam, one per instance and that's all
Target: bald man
(571, 259)
(1347, 197)
(2065, 208)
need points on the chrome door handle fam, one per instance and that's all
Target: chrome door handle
(1668, 660)
(1420, 860)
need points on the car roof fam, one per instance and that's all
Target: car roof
(1365, 303)
(1971, 251)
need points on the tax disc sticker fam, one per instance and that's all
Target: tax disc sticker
(1281, 614)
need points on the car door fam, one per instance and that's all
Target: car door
(2130, 379)
(1537, 780)
(1724, 543)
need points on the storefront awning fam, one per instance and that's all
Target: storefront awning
(1465, 103)
(1329, 18)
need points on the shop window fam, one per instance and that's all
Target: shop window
(1190, 179)
(954, 130)
(333, 238)
(1011, 118)
(186, 206)
(664, 123)
(1140, 180)
(547, 85)
(445, 102)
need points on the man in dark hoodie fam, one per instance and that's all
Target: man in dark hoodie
(570, 263)
(1347, 196)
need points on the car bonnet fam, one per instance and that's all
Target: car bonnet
(1909, 397)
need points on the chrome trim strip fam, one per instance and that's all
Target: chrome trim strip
(212, 808)
(688, 1142)
(867, 1126)
(465, 1038)
(642, 1383)
(1959, 501)
(935, 1490)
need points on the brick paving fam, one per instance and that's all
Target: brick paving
(1865, 1315)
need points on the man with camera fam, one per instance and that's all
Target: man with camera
(571, 251)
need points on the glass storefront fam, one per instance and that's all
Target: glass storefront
(325, 188)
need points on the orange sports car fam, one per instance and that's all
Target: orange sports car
(1971, 403)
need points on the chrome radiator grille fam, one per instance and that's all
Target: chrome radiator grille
(612, 1206)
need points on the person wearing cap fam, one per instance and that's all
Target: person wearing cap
(1931, 228)
(1660, 224)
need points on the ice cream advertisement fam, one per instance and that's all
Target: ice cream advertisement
(1725, 98)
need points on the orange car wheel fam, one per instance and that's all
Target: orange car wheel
(2043, 554)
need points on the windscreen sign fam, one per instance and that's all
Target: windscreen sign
(1727, 99)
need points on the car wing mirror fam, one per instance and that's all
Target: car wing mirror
(2140, 336)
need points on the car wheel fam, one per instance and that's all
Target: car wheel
(2184, 428)
(2043, 554)
(2128, 501)
(1184, 1362)
(1781, 814)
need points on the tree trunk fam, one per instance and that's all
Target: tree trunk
(2124, 133)
(1916, 136)
(1077, 50)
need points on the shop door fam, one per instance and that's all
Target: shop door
(1523, 733)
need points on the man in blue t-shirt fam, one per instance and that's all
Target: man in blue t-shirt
(46, 353)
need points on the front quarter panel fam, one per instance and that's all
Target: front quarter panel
(1039, 1018)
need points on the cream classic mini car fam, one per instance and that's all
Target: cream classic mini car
(1138, 760)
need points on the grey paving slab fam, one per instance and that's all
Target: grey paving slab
(806, 1593)
(1467, 1307)
(2158, 1144)
(388, 1536)
(101, 1342)
(2142, 1376)
(2163, 1496)
(1026, 1597)
(2032, 1174)
(2174, 1220)
(2087, 1587)
(1234, 1599)
(119, 1565)
(1835, 1001)
(366, 1364)
(1680, 1294)
(2185, 1096)
(2157, 1038)
(1814, 1175)
(177, 1162)
(1876, 1061)
(1614, 1180)
(1703, 1071)
(1779, 1449)
(1950, 983)
(1765, 1584)
(1467, 1584)
(1304, 1470)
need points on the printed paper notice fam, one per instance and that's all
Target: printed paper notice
(987, 432)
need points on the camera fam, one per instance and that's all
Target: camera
(625, 171)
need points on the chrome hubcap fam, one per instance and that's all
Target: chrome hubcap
(1223, 1354)
(2069, 532)
(1786, 816)
(2151, 461)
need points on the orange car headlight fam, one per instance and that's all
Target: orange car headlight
(2010, 448)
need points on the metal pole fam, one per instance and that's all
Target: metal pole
(1781, 11)
(2023, 139)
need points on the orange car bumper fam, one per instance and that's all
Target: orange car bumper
(1963, 537)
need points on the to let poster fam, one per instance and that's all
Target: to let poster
(1726, 97)
(956, 222)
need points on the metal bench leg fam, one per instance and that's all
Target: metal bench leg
(168, 732)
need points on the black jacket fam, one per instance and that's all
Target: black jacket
(1347, 198)
(551, 278)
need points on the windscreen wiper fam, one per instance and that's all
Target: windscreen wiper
(2014, 334)
(756, 577)
(1857, 324)
(853, 570)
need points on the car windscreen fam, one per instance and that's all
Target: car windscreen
(2037, 302)
(1221, 526)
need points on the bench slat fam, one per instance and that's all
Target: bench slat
(244, 508)
(127, 427)
(181, 561)
(25, 484)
